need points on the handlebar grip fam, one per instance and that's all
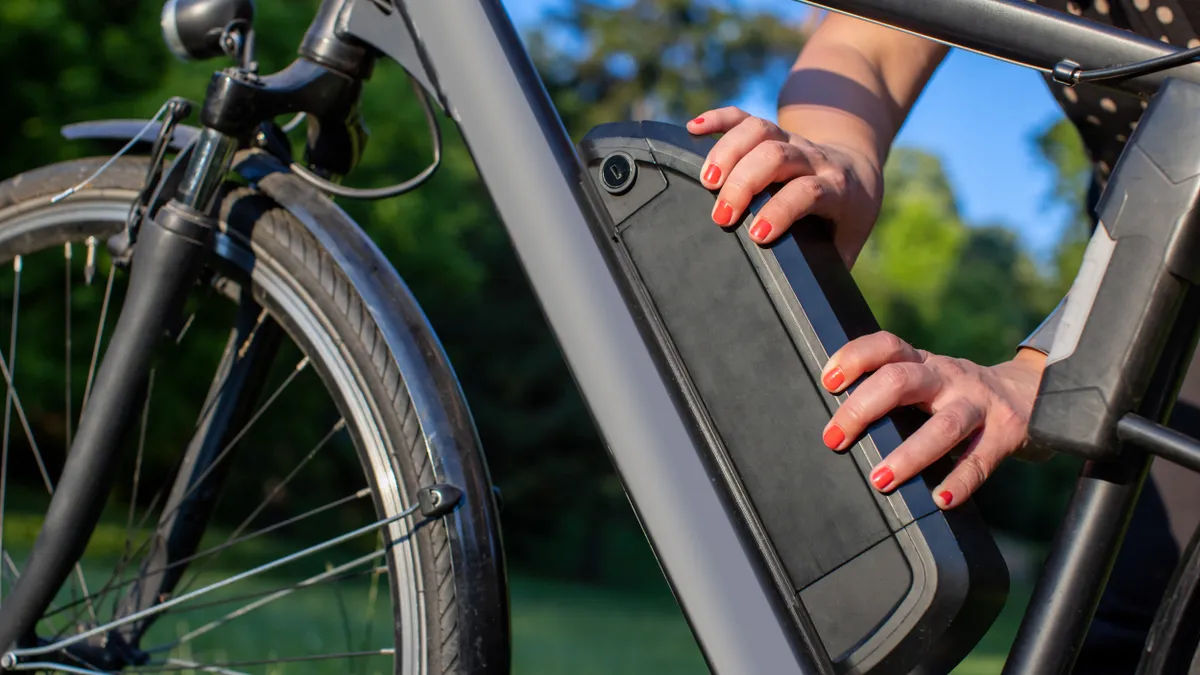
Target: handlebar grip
(1126, 298)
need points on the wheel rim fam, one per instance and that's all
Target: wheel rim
(101, 213)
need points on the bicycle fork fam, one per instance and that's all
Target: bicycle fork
(166, 263)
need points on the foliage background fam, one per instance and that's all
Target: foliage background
(967, 289)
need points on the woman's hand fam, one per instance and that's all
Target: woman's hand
(829, 180)
(989, 405)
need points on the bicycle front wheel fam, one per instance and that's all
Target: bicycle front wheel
(276, 420)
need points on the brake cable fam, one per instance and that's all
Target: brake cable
(1069, 73)
(435, 133)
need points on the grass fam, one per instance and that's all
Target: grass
(558, 628)
(563, 629)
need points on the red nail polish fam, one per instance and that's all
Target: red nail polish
(882, 477)
(834, 437)
(712, 174)
(698, 120)
(723, 213)
(947, 497)
(761, 230)
(834, 378)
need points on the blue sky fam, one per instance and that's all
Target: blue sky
(978, 115)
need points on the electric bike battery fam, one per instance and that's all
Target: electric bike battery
(890, 583)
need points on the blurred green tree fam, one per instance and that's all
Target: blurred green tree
(69, 60)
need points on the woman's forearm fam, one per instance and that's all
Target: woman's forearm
(854, 84)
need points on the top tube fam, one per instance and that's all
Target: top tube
(1021, 32)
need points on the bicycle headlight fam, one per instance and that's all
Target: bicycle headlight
(192, 29)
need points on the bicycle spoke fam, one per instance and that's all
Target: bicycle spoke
(67, 335)
(341, 603)
(11, 566)
(196, 491)
(344, 576)
(137, 466)
(186, 325)
(178, 664)
(180, 599)
(281, 593)
(108, 584)
(192, 665)
(365, 492)
(337, 426)
(372, 597)
(86, 595)
(199, 480)
(237, 531)
(108, 286)
(9, 570)
(13, 400)
(16, 403)
(8, 402)
(215, 393)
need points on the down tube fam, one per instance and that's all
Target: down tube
(532, 171)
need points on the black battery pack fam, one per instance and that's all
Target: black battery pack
(890, 583)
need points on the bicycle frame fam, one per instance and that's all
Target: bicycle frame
(468, 55)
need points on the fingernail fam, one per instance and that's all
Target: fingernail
(698, 120)
(834, 437)
(723, 213)
(882, 477)
(946, 497)
(834, 378)
(761, 230)
(712, 174)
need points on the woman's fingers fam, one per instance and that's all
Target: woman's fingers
(754, 154)
(865, 354)
(989, 406)
(947, 428)
(766, 163)
(717, 121)
(974, 467)
(798, 198)
(735, 145)
(893, 385)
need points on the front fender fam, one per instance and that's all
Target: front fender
(127, 130)
(438, 402)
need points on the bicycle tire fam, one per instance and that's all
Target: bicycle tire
(1173, 645)
(454, 638)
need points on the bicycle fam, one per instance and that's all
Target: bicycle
(600, 230)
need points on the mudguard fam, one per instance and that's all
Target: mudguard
(437, 397)
(126, 130)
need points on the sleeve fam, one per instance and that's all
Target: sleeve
(1042, 337)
